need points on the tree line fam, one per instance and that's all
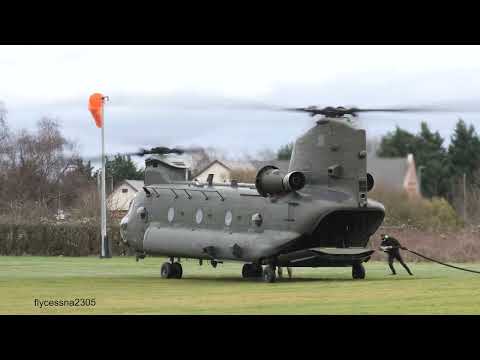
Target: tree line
(442, 168)
(41, 171)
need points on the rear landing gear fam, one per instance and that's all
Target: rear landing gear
(166, 271)
(252, 271)
(171, 271)
(358, 271)
(178, 271)
(269, 275)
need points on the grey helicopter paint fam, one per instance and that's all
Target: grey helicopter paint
(317, 214)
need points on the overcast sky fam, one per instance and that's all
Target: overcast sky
(177, 95)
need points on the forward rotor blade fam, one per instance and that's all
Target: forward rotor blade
(160, 150)
(98, 158)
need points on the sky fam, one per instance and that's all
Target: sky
(198, 95)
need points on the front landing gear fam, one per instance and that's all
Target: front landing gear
(358, 271)
(171, 270)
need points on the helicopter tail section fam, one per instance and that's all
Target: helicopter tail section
(339, 238)
(332, 155)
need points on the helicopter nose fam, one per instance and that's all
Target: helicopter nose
(123, 229)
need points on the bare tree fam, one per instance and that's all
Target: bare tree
(266, 155)
(4, 131)
(244, 175)
(4, 134)
(38, 174)
(200, 159)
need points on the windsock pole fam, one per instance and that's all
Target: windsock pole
(96, 107)
(105, 246)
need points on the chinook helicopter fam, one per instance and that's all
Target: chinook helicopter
(317, 214)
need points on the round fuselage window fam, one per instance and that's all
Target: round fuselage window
(171, 214)
(257, 219)
(199, 216)
(228, 218)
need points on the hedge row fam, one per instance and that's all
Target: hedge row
(57, 239)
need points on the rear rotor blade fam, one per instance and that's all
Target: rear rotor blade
(341, 111)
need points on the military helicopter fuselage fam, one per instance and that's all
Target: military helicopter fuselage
(317, 214)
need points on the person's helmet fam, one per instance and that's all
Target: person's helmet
(383, 236)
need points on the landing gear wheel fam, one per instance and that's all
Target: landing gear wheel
(269, 274)
(177, 270)
(257, 271)
(358, 271)
(252, 271)
(247, 271)
(167, 271)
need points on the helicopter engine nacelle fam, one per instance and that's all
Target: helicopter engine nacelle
(270, 180)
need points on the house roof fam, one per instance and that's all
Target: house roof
(137, 185)
(389, 172)
(210, 164)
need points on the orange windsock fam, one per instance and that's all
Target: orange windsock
(95, 105)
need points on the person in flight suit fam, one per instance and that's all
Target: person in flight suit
(392, 247)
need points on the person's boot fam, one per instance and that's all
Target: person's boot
(408, 270)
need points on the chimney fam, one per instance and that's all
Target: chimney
(410, 182)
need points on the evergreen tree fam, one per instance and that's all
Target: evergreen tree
(121, 168)
(398, 143)
(464, 153)
(83, 169)
(285, 152)
(432, 156)
(429, 153)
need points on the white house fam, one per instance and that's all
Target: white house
(119, 200)
(221, 170)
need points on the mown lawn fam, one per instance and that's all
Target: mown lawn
(123, 286)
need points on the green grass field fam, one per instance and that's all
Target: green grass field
(123, 286)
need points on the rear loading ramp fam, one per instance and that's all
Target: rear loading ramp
(325, 257)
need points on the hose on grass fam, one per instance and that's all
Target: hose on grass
(442, 263)
(430, 259)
